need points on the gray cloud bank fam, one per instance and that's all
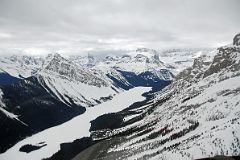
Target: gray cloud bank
(89, 25)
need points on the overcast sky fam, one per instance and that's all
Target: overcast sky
(75, 26)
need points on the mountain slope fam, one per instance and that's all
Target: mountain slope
(196, 116)
(68, 80)
(140, 68)
(179, 59)
(79, 127)
(31, 109)
(20, 66)
(57, 92)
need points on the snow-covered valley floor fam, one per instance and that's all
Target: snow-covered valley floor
(74, 129)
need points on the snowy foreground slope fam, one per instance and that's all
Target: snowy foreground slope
(197, 116)
(76, 128)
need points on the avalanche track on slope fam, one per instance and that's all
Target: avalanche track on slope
(76, 128)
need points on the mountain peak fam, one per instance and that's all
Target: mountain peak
(236, 40)
(54, 61)
(54, 56)
(140, 50)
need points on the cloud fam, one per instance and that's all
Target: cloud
(5, 35)
(116, 24)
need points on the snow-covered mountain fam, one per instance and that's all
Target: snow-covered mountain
(179, 59)
(47, 142)
(59, 88)
(66, 79)
(142, 67)
(142, 60)
(83, 85)
(20, 66)
(37, 94)
(197, 116)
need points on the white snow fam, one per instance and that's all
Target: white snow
(227, 106)
(128, 118)
(1, 103)
(82, 94)
(130, 65)
(182, 59)
(209, 106)
(10, 115)
(20, 65)
(74, 129)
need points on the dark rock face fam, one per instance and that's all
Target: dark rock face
(224, 59)
(70, 150)
(11, 131)
(29, 148)
(236, 40)
(108, 121)
(146, 79)
(36, 108)
(119, 83)
(6, 79)
(221, 157)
